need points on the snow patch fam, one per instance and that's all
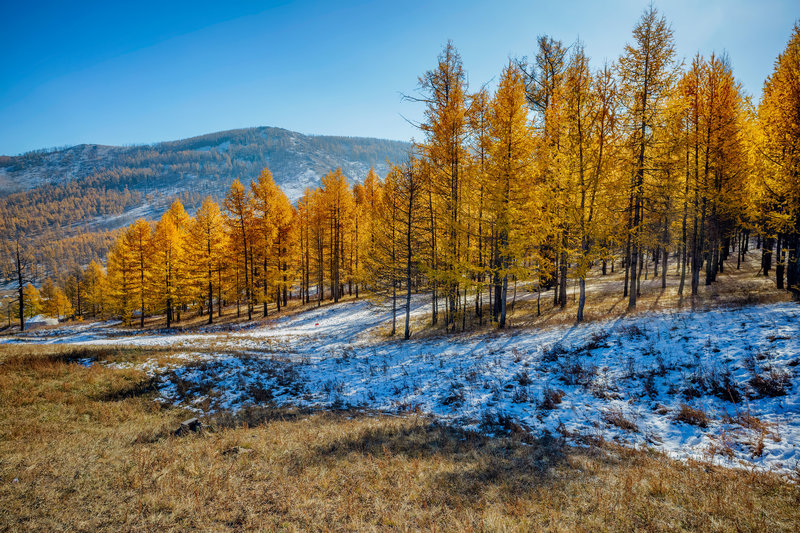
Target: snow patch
(718, 385)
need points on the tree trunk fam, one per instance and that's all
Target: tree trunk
(766, 255)
(21, 291)
(210, 298)
(563, 264)
(503, 302)
(394, 307)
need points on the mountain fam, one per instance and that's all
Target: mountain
(206, 164)
(65, 203)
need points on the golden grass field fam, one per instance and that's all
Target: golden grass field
(86, 449)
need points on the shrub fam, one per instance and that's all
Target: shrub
(770, 384)
(723, 386)
(661, 409)
(696, 384)
(573, 372)
(746, 420)
(520, 396)
(550, 354)
(259, 394)
(615, 417)
(455, 396)
(505, 424)
(596, 340)
(631, 332)
(551, 398)
(523, 378)
(692, 416)
(649, 384)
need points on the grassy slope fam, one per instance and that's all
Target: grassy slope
(91, 451)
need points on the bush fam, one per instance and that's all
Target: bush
(551, 398)
(520, 396)
(724, 387)
(576, 373)
(692, 416)
(455, 397)
(770, 384)
(631, 332)
(259, 394)
(523, 378)
(596, 341)
(695, 386)
(615, 417)
(649, 385)
(505, 424)
(550, 354)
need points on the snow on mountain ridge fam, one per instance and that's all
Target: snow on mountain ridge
(213, 160)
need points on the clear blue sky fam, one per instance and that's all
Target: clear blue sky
(108, 73)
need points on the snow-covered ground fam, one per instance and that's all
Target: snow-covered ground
(718, 385)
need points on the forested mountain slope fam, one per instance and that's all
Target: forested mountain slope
(205, 163)
(92, 189)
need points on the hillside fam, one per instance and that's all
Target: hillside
(84, 191)
(207, 163)
(649, 379)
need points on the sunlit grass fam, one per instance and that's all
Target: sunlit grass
(87, 448)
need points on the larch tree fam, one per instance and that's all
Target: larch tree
(54, 301)
(479, 127)
(727, 161)
(446, 124)
(181, 270)
(73, 284)
(358, 237)
(779, 119)
(318, 223)
(588, 144)
(384, 261)
(408, 189)
(96, 289)
(285, 247)
(167, 254)
(713, 119)
(239, 211)
(32, 301)
(138, 244)
(206, 248)
(121, 279)
(510, 174)
(265, 198)
(303, 221)
(646, 76)
(688, 95)
(337, 201)
(544, 79)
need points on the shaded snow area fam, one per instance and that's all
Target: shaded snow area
(717, 385)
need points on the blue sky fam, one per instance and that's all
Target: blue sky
(109, 73)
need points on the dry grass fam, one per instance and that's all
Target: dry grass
(86, 449)
(692, 416)
(604, 298)
(615, 417)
